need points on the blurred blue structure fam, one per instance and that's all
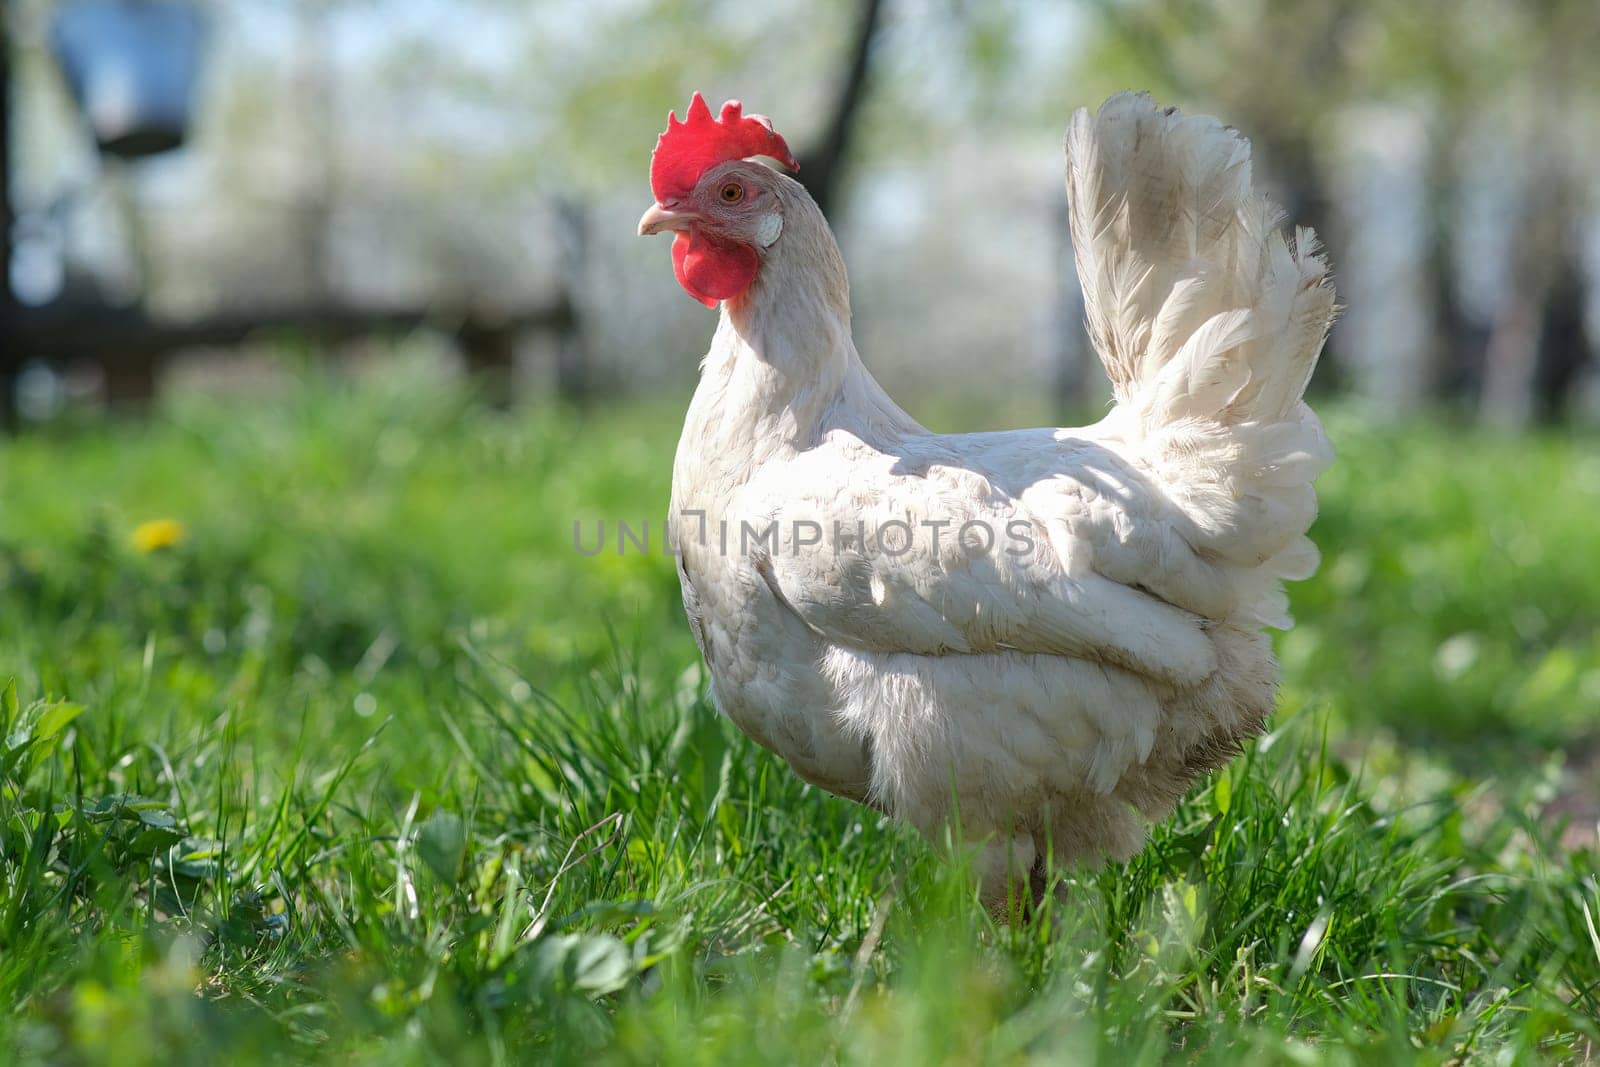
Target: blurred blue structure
(132, 66)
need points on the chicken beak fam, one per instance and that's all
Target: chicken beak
(659, 218)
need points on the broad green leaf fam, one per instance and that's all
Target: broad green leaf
(442, 844)
(55, 718)
(1222, 791)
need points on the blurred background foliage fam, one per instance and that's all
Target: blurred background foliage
(482, 153)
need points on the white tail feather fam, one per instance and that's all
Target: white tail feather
(1209, 324)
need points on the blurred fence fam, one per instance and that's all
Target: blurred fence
(131, 68)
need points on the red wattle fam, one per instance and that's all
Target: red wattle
(711, 271)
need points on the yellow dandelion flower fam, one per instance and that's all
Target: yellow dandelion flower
(157, 534)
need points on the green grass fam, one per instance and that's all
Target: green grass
(374, 767)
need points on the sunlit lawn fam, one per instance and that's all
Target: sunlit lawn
(373, 765)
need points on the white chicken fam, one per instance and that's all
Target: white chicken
(1049, 633)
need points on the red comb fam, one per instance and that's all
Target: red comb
(688, 148)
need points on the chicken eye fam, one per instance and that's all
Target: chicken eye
(732, 193)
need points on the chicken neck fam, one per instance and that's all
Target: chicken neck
(783, 369)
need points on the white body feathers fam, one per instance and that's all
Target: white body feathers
(1061, 694)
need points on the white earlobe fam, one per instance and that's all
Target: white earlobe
(771, 226)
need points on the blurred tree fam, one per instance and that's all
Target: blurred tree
(1522, 70)
(314, 85)
(8, 310)
(1450, 56)
(1279, 71)
(822, 166)
(1539, 344)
